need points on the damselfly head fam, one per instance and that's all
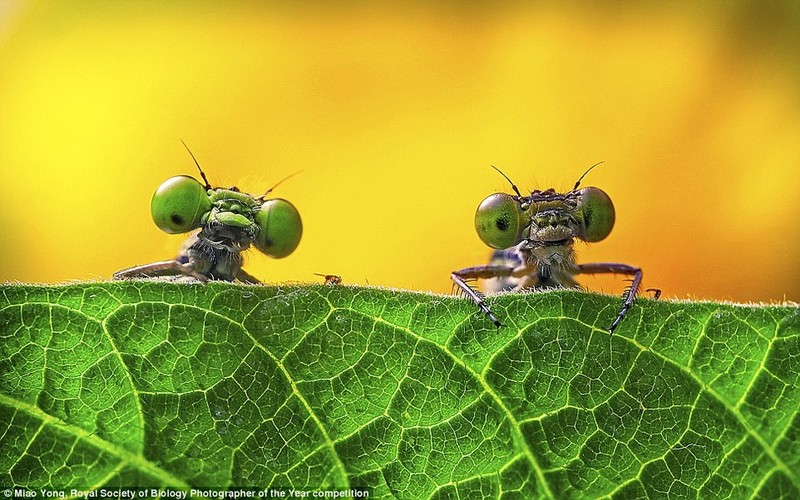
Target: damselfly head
(182, 204)
(545, 216)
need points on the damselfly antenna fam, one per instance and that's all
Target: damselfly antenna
(516, 190)
(278, 184)
(202, 174)
(584, 175)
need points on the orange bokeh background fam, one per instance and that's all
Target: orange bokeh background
(394, 113)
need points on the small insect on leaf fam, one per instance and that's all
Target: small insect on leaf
(330, 279)
(533, 238)
(229, 221)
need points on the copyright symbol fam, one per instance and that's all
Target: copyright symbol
(7, 493)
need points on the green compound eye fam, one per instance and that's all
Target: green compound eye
(280, 228)
(178, 204)
(598, 213)
(498, 221)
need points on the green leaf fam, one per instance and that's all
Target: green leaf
(405, 394)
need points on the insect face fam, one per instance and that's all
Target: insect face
(182, 204)
(545, 218)
(552, 218)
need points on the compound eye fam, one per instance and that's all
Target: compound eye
(598, 213)
(280, 228)
(179, 204)
(498, 221)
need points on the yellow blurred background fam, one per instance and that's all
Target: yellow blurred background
(394, 112)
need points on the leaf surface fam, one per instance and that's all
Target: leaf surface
(408, 395)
